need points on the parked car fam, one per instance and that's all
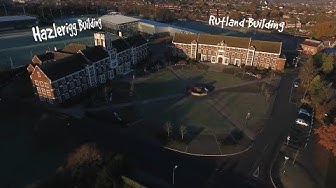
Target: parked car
(306, 109)
(304, 119)
(296, 83)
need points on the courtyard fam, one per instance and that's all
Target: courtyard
(214, 124)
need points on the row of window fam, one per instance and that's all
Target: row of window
(43, 91)
(41, 84)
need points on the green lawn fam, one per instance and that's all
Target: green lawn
(192, 112)
(162, 83)
(217, 79)
(238, 104)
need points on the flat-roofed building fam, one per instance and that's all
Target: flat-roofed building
(16, 22)
(120, 25)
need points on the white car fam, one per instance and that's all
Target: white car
(304, 119)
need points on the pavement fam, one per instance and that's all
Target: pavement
(295, 175)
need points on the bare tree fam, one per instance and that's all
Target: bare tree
(183, 131)
(168, 128)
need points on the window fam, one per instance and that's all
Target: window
(78, 81)
(38, 74)
(43, 91)
(41, 84)
(63, 81)
(38, 89)
(46, 85)
(57, 91)
(65, 89)
(55, 84)
(66, 95)
(110, 74)
(48, 92)
(72, 85)
(36, 82)
(73, 92)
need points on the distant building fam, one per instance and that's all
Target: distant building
(16, 22)
(311, 47)
(60, 75)
(230, 50)
(120, 25)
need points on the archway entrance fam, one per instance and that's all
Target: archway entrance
(220, 60)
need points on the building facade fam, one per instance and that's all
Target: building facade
(311, 47)
(60, 75)
(230, 50)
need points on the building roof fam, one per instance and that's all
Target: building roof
(120, 45)
(135, 41)
(60, 68)
(309, 42)
(73, 48)
(160, 24)
(16, 18)
(184, 38)
(267, 46)
(118, 19)
(53, 55)
(240, 42)
(95, 53)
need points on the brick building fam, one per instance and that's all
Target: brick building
(230, 50)
(59, 75)
(311, 47)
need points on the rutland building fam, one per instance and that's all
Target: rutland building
(228, 50)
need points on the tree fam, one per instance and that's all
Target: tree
(315, 90)
(168, 127)
(327, 137)
(86, 154)
(326, 28)
(328, 64)
(110, 175)
(307, 73)
(183, 131)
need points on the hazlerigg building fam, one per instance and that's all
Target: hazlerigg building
(228, 50)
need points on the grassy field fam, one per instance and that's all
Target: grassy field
(159, 84)
(216, 79)
(194, 113)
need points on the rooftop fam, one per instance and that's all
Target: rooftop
(185, 38)
(118, 19)
(73, 48)
(95, 53)
(60, 68)
(267, 46)
(15, 18)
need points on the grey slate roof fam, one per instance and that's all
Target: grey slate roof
(60, 68)
(95, 53)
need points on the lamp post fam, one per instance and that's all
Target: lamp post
(174, 174)
(284, 165)
(288, 139)
(248, 115)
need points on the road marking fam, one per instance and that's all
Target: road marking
(256, 173)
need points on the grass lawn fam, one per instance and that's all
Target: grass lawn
(217, 79)
(238, 104)
(196, 114)
(162, 83)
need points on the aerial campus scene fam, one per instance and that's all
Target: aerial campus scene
(168, 93)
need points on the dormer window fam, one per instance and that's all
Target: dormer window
(39, 74)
